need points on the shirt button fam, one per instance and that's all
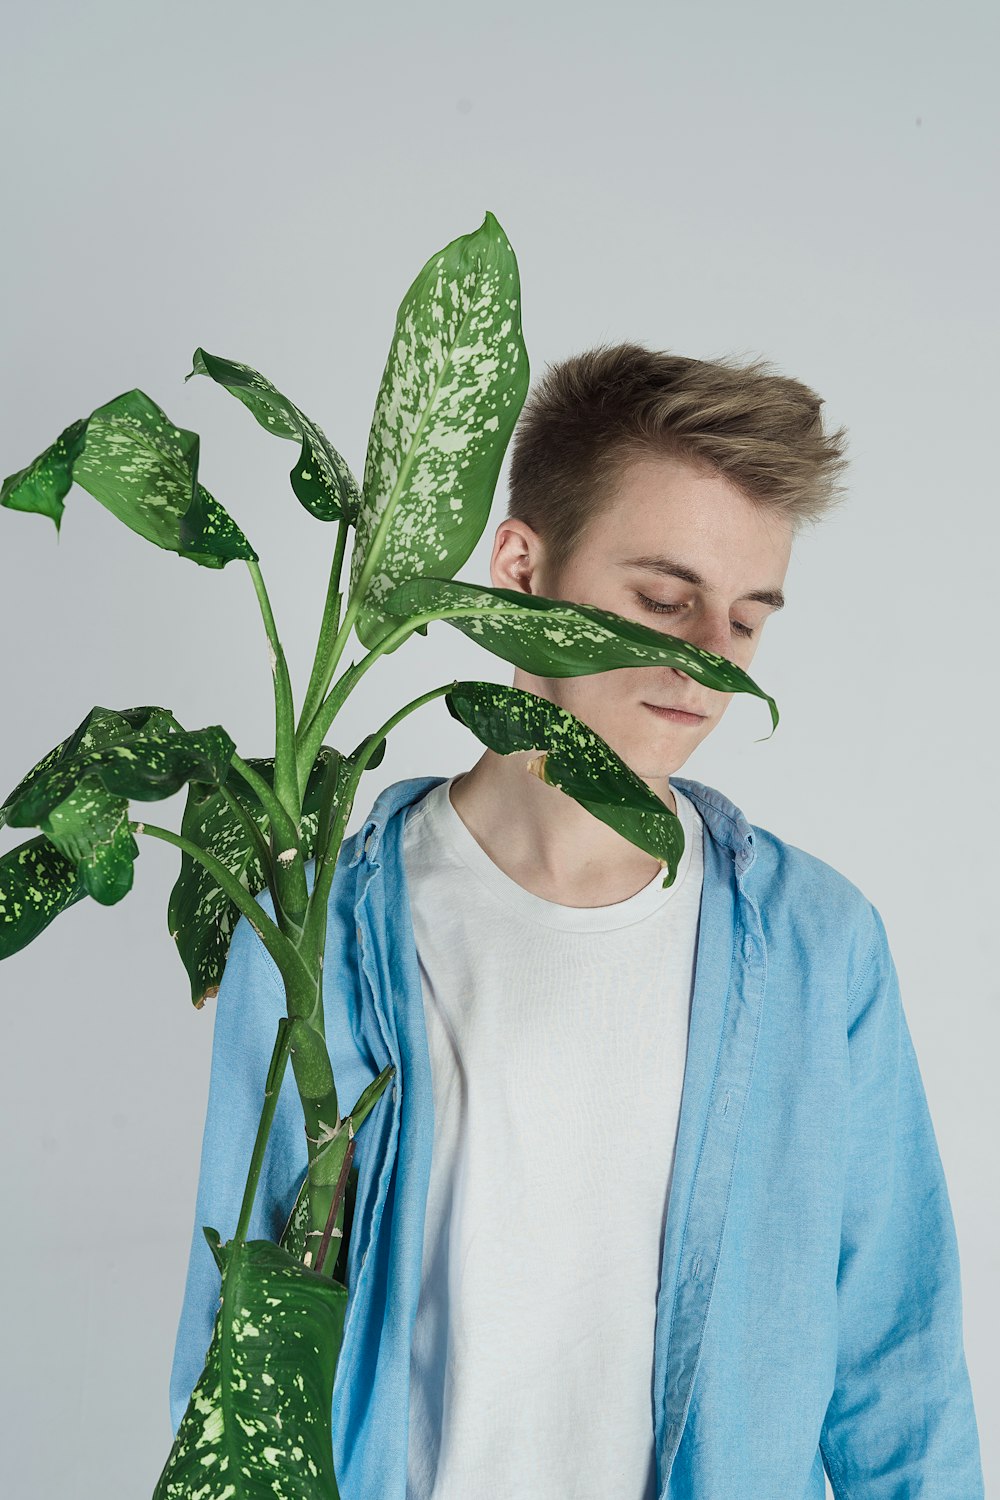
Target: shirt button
(748, 947)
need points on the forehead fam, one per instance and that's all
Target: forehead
(697, 524)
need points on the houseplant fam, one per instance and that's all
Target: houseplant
(453, 385)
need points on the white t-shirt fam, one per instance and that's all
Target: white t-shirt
(557, 1039)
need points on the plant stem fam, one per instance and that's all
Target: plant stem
(291, 891)
(257, 839)
(286, 783)
(325, 714)
(310, 741)
(275, 1074)
(338, 1193)
(284, 953)
(279, 818)
(324, 663)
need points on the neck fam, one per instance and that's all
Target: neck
(542, 838)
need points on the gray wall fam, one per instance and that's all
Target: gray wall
(808, 183)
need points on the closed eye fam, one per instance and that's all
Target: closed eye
(659, 609)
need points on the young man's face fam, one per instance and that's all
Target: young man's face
(665, 509)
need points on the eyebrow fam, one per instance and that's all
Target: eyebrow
(669, 565)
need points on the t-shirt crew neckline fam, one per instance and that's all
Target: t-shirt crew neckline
(552, 914)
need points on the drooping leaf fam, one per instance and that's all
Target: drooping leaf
(453, 386)
(201, 918)
(78, 794)
(258, 1423)
(574, 759)
(41, 485)
(321, 479)
(140, 467)
(36, 884)
(560, 638)
(101, 726)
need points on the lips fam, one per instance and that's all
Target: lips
(679, 708)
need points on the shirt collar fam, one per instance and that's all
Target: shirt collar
(725, 821)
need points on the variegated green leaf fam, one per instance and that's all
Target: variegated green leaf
(200, 916)
(101, 726)
(144, 470)
(36, 884)
(40, 486)
(321, 479)
(560, 638)
(453, 386)
(149, 764)
(90, 826)
(258, 1424)
(574, 759)
(78, 794)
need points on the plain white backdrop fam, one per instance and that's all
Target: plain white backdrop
(810, 183)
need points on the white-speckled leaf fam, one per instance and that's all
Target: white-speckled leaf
(574, 759)
(453, 386)
(101, 726)
(144, 470)
(36, 884)
(559, 638)
(79, 793)
(258, 1424)
(321, 479)
(42, 484)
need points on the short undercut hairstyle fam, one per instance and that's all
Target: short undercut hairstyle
(591, 415)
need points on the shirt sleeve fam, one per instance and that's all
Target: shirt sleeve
(901, 1419)
(249, 1005)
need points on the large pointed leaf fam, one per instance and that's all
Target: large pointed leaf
(574, 759)
(258, 1423)
(321, 479)
(453, 386)
(79, 793)
(560, 638)
(36, 884)
(144, 470)
(200, 916)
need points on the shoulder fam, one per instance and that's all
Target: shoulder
(808, 900)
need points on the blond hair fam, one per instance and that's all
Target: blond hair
(592, 414)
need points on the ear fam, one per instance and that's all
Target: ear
(517, 553)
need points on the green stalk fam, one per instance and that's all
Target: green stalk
(257, 839)
(288, 791)
(324, 664)
(326, 713)
(284, 953)
(275, 1074)
(338, 1194)
(292, 893)
(277, 816)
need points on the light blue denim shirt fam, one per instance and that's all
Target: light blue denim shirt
(809, 1313)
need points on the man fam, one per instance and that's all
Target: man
(579, 1050)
